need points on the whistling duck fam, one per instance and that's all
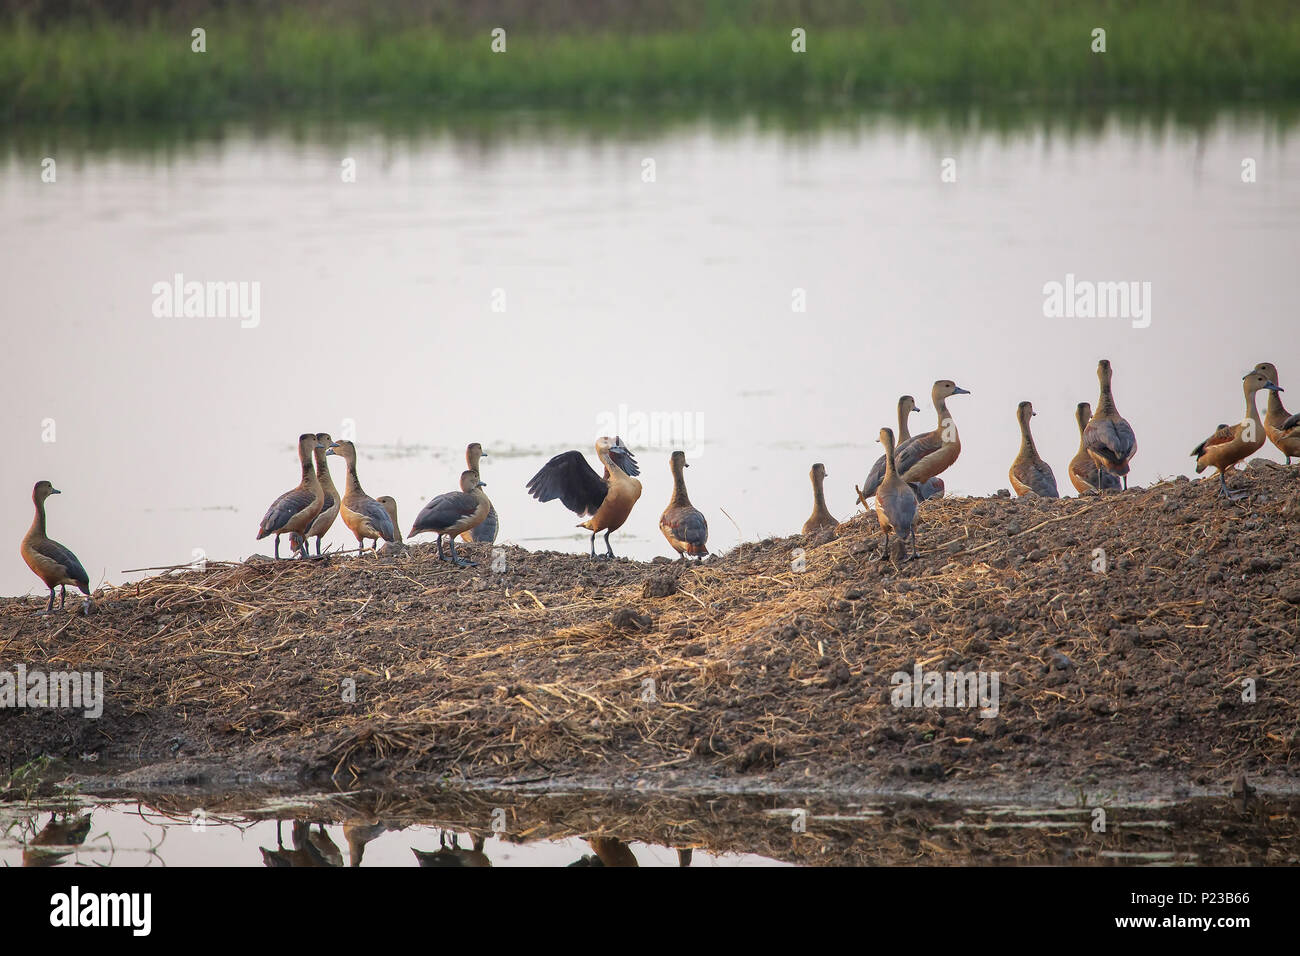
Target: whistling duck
(682, 523)
(1029, 472)
(906, 406)
(922, 457)
(294, 511)
(1083, 471)
(606, 500)
(453, 855)
(357, 835)
(486, 530)
(329, 509)
(390, 506)
(310, 850)
(50, 561)
(895, 501)
(821, 518)
(1282, 428)
(1108, 438)
(1231, 444)
(54, 842)
(452, 513)
(365, 517)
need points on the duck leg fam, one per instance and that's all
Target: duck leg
(915, 553)
(884, 552)
(318, 537)
(1126, 482)
(63, 595)
(441, 556)
(1231, 495)
(277, 547)
(609, 552)
(456, 559)
(593, 546)
(50, 608)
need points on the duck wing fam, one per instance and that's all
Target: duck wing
(914, 450)
(65, 558)
(1222, 435)
(283, 509)
(445, 511)
(568, 477)
(625, 460)
(378, 516)
(1113, 439)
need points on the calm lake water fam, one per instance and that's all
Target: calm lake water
(517, 281)
(483, 828)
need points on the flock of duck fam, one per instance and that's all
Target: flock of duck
(908, 473)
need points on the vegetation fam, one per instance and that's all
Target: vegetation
(115, 64)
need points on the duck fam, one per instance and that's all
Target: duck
(294, 511)
(1281, 427)
(895, 502)
(329, 509)
(1029, 473)
(821, 518)
(486, 530)
(1233, 443)
(453, 513)
(1083, 471)
(452, 854)
(1108, 438)
(906, 406)
(682, 523)
(365, 517)
(390, 506)
(605, 501)
(55, 565)
(923, 457)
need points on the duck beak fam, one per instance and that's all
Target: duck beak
(55, 491)
(482, 484)
(1274, 387)
(958, 390)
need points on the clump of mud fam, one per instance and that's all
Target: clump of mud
(1146, 632)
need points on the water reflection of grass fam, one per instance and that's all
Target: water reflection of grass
(486, 131)
(994, 50)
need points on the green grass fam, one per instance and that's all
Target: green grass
(919, 51)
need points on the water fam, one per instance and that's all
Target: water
(669, 299)
(477, 828)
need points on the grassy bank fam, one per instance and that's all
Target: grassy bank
(993, 50)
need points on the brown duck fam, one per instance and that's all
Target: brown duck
(682, 523)
(895, 501)
(1281, 427)
(486, 530)
(453, 513)
(1108, 438)
(365, 517)
(925, 456)
(1233, 443)
(55, 565)
(821, 518)
(606, 500)
(1029, 473)
(294, 511)
(1083, 470)
(329, 509)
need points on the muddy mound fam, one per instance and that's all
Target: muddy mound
(1151, 632)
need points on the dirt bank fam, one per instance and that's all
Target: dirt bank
(763, 675)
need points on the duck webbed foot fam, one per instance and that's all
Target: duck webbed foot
(1228, 492)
